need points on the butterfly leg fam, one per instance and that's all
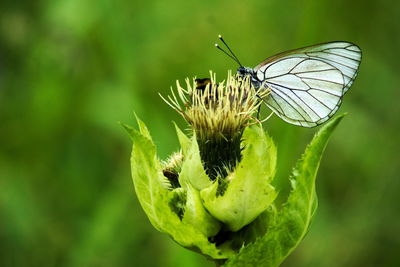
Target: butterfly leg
(259, 108)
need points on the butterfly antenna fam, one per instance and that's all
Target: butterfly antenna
(227, 46)
(229, 55)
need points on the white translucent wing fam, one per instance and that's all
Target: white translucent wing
(307, 84)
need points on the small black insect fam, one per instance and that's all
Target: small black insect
(202, 83)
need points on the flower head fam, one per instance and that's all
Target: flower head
(218, 113)
(220, 110)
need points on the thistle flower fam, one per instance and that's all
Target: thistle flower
(218, 114)
(215, 196)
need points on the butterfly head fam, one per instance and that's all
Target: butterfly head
(245, 71)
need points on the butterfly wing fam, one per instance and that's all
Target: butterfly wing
(307, 84)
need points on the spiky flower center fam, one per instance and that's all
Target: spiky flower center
(218, 114)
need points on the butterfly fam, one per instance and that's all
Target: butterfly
(306, 84)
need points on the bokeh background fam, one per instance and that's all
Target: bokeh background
(71, 69)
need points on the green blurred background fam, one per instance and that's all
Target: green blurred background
(71, 69)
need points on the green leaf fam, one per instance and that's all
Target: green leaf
(192, 177)
(192, 168)
(249, 191)
(149, 181)
(293, 220)
(142, 128)
(184, 141)
(164, 207)
(197, 215)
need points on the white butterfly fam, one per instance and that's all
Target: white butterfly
(307, 84)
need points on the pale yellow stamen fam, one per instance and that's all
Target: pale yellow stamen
(221, 110)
